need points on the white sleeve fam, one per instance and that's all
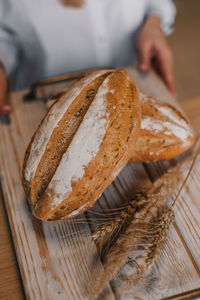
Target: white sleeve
(166, 10)
(8, 40)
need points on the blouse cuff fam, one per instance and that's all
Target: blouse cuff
(166, 11)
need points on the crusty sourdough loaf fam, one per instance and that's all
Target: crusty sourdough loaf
(81, 145)
(164, 133)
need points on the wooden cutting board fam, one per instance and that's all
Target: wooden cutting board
(54, 265)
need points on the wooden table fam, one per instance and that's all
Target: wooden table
(10, 280)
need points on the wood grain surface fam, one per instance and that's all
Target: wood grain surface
(55, 266)
(10, 280)
(192, 107)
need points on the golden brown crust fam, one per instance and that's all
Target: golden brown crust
(122, 117)
(164, 133)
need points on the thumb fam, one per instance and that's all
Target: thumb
(144, 52)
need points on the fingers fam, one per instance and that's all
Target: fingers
(165, 66)
(144, 51)
(4, 108)
(152, 47)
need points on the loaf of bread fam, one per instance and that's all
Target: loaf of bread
(164, 133)
(81, 145)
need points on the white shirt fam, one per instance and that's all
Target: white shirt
(41, 38)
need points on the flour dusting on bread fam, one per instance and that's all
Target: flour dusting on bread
(83, 148)
(164, 133)
(166, 127)
(173, 120)
(52, 119)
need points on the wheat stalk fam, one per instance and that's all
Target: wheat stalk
(156, 202)
(164, 222)
(105, 235)
(159, 237)
(124, 217)
(117, 255)
(158, 191)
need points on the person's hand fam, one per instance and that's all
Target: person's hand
(4, 108)
(153, 49)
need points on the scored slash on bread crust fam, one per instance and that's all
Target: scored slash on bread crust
(81, 145)
(164, 133)
(56, 132)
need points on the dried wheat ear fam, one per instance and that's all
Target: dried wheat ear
(140, 226)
